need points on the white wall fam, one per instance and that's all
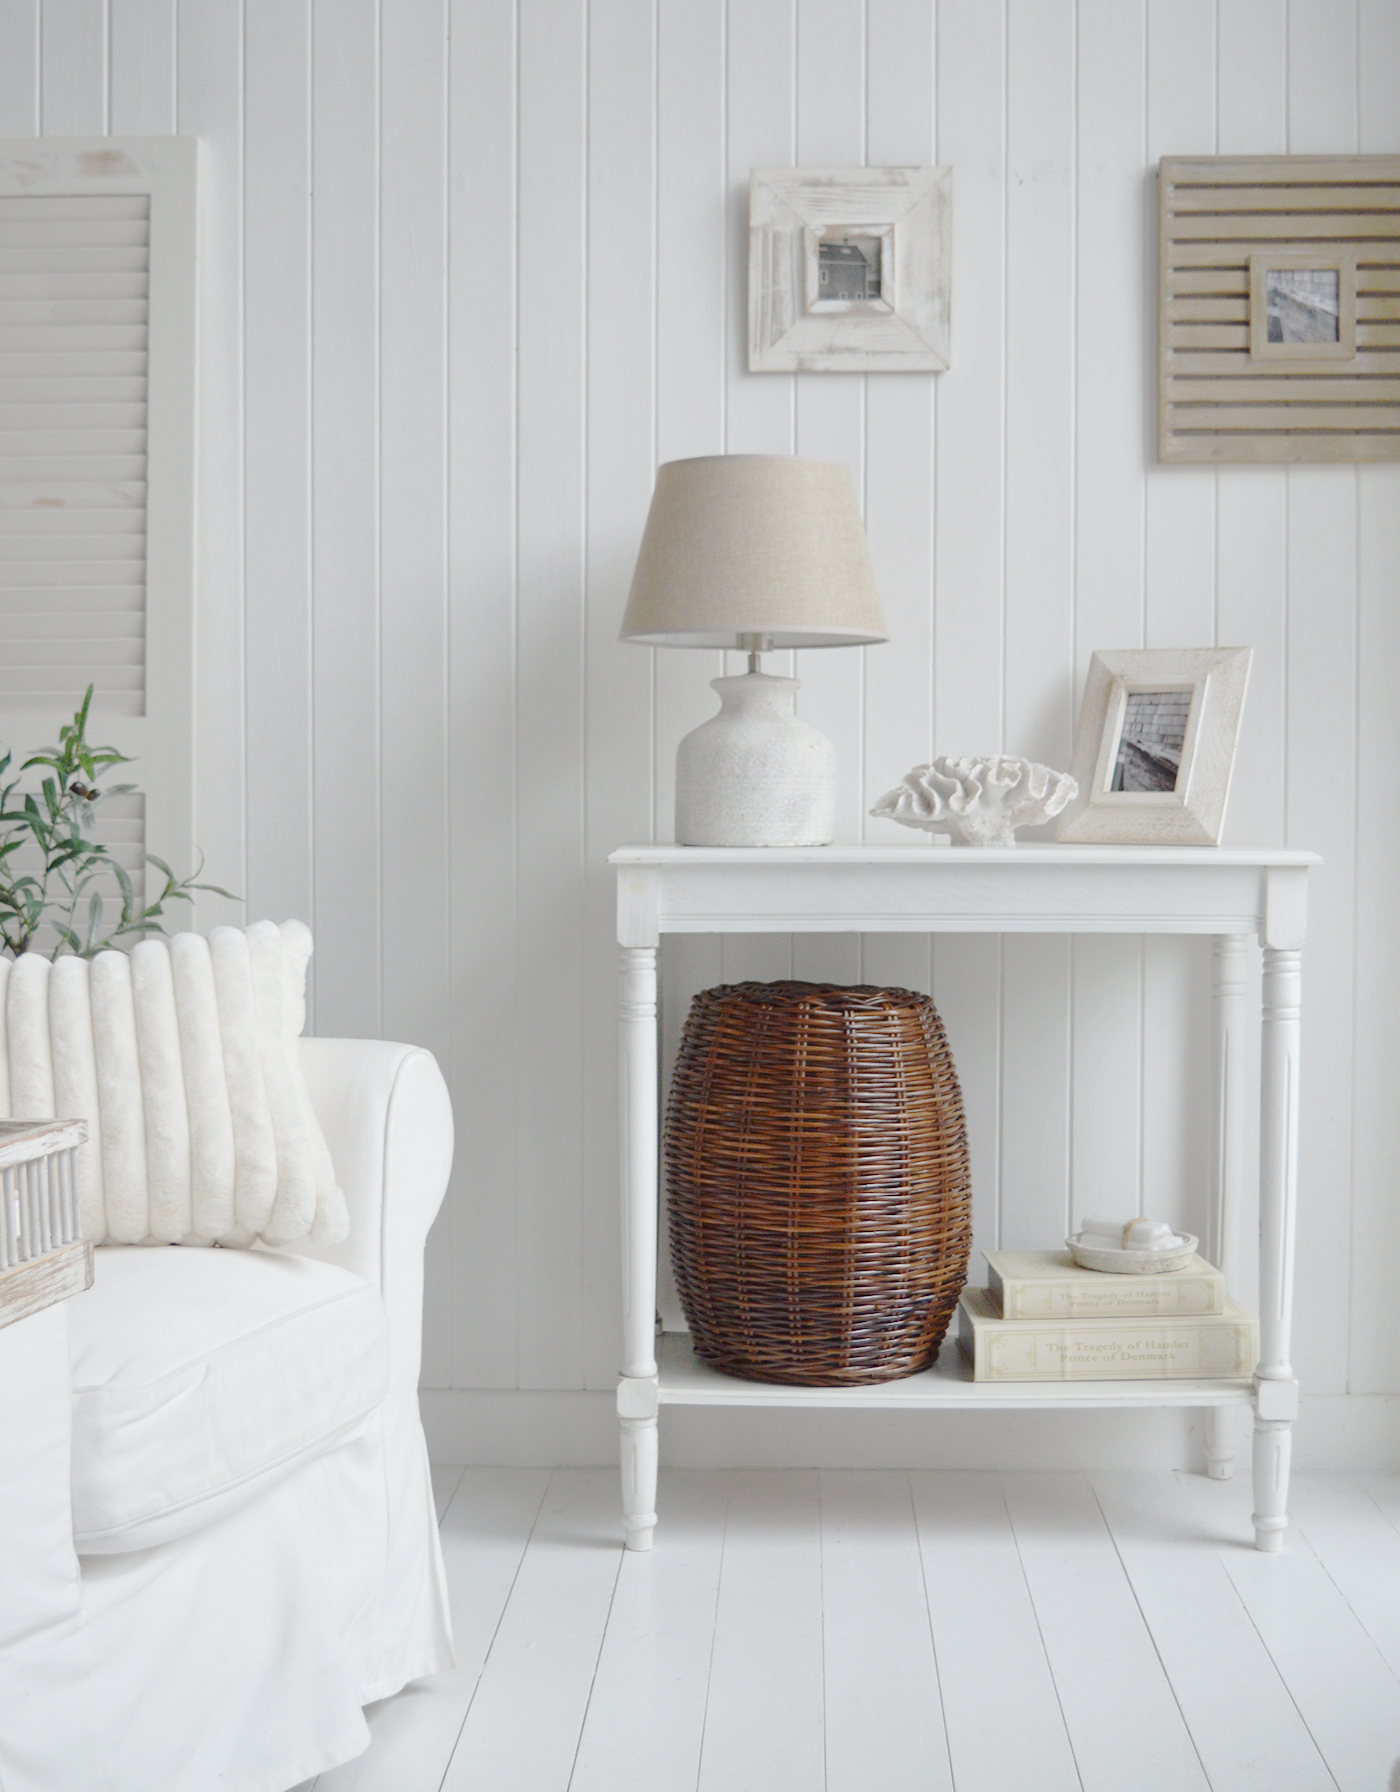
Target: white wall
(471, 268)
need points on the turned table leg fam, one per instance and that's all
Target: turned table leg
(1276, 1390)
(1229, 1088)
(637, 1389)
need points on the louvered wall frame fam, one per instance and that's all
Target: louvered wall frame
(97, 452)
(1219, 398)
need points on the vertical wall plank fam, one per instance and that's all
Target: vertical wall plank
(412, 483)
(969, 541)
(482, 445)
(1378, 77)
(1181, 114)
(141, 66)
(618, 705)
(691, 319)
(209, 72)
(759, 416)
(759, 133)
(1180, 612)
(1040, 368)
(1251, 504)
(549, 719)
(413, 561)
(899, 483)
(1039, 638)
(19, 68)
(345, 513)
(1375, 1327)
(73, 68)
(1322, 76)
(1322, 734)
(1251, 76)
(277, 455)
(831, 408)
(1112, 334)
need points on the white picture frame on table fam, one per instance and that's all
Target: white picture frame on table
(1155, 745)
(849, 269)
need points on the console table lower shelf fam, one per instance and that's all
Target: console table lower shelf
(683, 1380)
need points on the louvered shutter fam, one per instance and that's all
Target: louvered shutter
(97, 439)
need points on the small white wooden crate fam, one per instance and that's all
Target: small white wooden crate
(43, 1256)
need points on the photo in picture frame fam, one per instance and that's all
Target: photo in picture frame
(1155, 745)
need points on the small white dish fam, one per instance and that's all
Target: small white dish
(1132, 1263)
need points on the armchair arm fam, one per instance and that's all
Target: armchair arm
(387, 1119)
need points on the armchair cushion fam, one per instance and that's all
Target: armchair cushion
(181, 1057)
(202, 1377)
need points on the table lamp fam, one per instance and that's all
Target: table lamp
(755, 552)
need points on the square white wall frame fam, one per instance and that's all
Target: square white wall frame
(849, 269)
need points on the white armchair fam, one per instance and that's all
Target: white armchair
(217, 1535)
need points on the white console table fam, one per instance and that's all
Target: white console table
(1235, 894)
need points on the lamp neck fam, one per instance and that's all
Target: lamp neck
(754, 645)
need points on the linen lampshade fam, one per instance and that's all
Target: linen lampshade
(741, 548)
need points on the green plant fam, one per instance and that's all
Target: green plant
(56, 822)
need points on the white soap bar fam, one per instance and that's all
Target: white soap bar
(1148, 1235)
(1130, 1235)
(1111, 1231)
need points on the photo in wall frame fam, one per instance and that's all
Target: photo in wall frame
(1278, 308)
(1154, 746)
(849, 269)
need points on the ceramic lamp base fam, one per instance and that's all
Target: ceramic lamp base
(754, 775)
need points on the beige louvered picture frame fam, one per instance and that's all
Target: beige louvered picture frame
(1279, 308)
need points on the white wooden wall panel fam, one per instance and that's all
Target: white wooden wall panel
(347, 817)
(969, 538)
(19, 68)
(208, 53)
(900, 130)
(621, 466)
(479, 1228)
(469, 270)
(1374, 1342)
(141, 67)
(73, 68)
(1179, 610)
(415, 754)
(1321, 623)
(759, 100)
(831, 73)
(549, 722)
(1038, 616)
(277, 614)
(1111, 430)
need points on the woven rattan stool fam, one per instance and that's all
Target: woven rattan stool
(816, 1160)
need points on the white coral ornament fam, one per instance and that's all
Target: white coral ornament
(980, 802)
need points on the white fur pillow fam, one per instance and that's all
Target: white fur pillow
(182, 1058)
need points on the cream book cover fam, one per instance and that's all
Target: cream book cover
(1192, 1346)
(1051, 1285)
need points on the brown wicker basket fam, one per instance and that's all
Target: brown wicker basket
(816, 1160)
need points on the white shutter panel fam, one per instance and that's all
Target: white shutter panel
(73, 383)
(97, 440)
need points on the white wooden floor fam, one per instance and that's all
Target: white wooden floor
(882, 1631)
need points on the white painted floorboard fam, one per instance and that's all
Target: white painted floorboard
(823, 1631)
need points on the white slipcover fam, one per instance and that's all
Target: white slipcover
(239, 1655)
(201, 1377)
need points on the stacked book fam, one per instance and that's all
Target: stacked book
(1043, 1318)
